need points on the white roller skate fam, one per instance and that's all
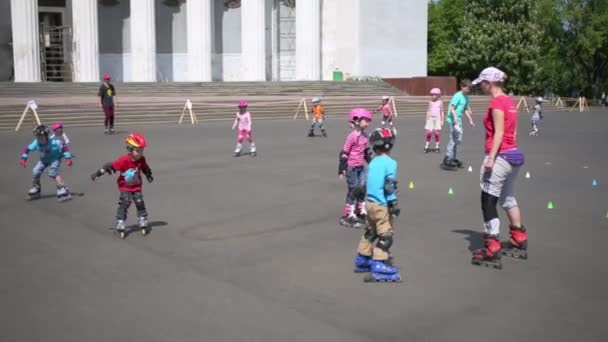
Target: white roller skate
(252, 150)
(34, 192)
(121, 228)
(143, 225)
(63, 194)
(237, 150)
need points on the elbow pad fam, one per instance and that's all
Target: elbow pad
(107, 167)
(342, 162)
(369, 155)
(390, 186)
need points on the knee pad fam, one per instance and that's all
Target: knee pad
(359, 191)
(138, 198)
(508, 203)
(488, 206)
(125, 200)
(370, 235)
(385, 242)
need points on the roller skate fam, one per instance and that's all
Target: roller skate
(436, 150)
(324, 134)
(458, 163)
(350, 221)
(311, 133)
(111, 131)
(383, 271)
(121, 228)
(33, 193)
(363, 263)
(63, 194)
(517, 246)
(426, 148)
(106, 131)
(252, 150)
(448, 164)
(143, 225)
(237, 150)
(489, 255)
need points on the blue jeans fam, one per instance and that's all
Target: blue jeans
(455, 140)
(41, 166)
(355, 180)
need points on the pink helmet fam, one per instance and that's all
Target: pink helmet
(57, 125)
(435, 91)
(359, 113)
(106, 77)
(243, 104)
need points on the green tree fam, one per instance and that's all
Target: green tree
(505, 34)
(445, 22)
(582, 42)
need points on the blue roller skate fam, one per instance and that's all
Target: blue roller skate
(382, 271)
(363, 264)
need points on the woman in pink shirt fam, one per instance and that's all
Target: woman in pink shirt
(352, 166)
(499, 173)
(243, 119)
(434, 118)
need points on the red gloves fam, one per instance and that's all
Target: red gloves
(68, 162)
(23, 162)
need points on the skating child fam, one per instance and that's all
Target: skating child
(51, 153)
(59, 134)
(129, 167)
(387, 111)
(434, 118)
(243, 119)
(537, 115)
(352, 166)
(381, 206)
(459, 104)
(318, 116)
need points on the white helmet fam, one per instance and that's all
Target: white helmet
(316, 99)
(540, 99)
(385, 97)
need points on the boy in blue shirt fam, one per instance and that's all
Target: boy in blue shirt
(381, 207)
(459, 104)
(51, 153)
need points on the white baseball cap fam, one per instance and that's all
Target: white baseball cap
(490, 74)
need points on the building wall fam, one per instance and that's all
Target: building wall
(6, 50)
(339, 37)
(392, 38)
(385, 38)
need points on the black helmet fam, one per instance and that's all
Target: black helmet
(41, 130)
(382, 137)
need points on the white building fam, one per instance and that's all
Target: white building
(211, 40)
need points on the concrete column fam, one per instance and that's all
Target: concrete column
(253, 40)
(308, 40)
(143, 41)
(200, 27)
(26, 44)
(85, 41)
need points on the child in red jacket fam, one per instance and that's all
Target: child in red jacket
(130, 166)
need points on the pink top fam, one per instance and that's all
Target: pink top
(386, 110)
(355, 145)
(244, 121)
(505, 104)
(435, 108)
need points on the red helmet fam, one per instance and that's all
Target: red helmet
(136, 140)
(106, 77)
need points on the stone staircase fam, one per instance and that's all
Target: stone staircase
(77, 105)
